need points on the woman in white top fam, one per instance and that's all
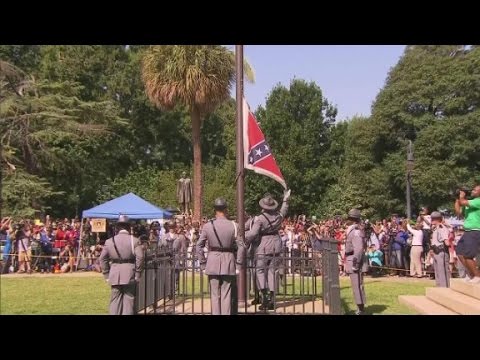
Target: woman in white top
(416, 250)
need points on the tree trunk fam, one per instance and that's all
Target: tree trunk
(1, 179)
(197, 165)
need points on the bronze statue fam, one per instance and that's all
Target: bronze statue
(184, 193)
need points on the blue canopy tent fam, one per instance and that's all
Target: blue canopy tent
(131, 205)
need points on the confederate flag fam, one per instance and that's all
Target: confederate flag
(257, 153)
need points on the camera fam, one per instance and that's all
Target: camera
(367, 228)
(18, 227)
(466, 190)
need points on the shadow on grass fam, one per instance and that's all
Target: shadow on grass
(369, 310)
(280, 303)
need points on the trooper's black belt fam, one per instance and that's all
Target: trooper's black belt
(349, 253)
(219, 249)
(122, 261)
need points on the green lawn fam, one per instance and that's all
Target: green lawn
(66, 294)
(382, 295)
(54, 295)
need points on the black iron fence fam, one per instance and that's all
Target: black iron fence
(304, 282)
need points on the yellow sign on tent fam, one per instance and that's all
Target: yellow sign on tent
(99, 225)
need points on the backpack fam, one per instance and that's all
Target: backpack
(46, 246)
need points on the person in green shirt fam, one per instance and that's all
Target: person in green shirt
(468, 246)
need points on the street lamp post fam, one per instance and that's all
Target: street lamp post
(409, 178)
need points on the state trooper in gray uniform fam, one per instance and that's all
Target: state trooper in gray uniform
(269, 251)
(220, 265)
(122, 262)
(167, 240)
(354, 258)
(440, 251)
(179, 248)
(251, 250)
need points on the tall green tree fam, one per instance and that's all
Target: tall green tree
(197, 77)
(433, 89)
(296, 122)
(25, 57)
(41, 119)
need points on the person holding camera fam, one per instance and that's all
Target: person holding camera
(416, 249)
(439, 250)
(22, 240)
(468, 246)
(354, 258)
(426, 221)
(179, 248)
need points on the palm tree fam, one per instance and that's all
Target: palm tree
(200, 78)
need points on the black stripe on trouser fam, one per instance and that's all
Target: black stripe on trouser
(360, 286)
(445, 260)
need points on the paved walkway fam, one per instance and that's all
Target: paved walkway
(197, 306)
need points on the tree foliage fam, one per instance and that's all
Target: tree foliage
(77, 128)
(297, 122)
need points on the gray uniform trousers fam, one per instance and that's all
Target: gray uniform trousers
(220, 265)
(440, 261)
(355, 246)
(122, 277)
(122, 299)
(440, 266)
(221, 293)
(267, 271)
(356, 280)
(252, 276)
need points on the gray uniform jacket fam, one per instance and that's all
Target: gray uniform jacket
(355, 246)
(129, 248)
(180, 245)
(252, 246)
(439, 235)
(266, 227)
(218, 263)
(167, 240)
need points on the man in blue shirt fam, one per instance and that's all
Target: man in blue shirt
(398, 246)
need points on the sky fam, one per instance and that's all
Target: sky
(350, 76)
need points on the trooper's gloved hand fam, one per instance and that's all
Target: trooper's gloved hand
(203, 266)
(286, 194)
(237, 271)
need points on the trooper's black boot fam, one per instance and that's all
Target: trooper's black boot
(271, 301)
(256, 299)
(265, 300)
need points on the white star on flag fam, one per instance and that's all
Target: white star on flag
(258, 152)
(266, 148)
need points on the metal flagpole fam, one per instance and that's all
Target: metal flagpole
(241, 283)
